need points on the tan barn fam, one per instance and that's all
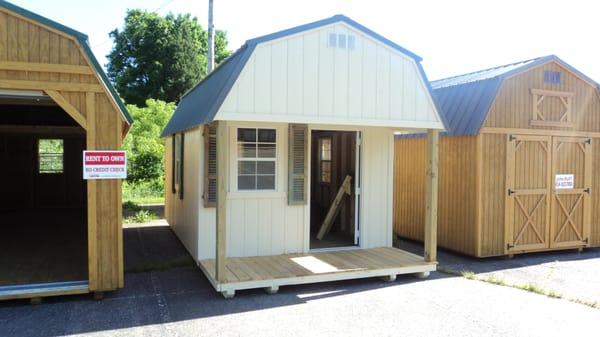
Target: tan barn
(519, 165)
(60, 234)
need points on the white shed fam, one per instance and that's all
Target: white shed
(280, 162)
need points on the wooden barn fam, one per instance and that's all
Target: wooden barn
(61, 234)
(280, 162)
(519, 164)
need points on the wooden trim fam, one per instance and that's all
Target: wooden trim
(222, 183)
(561, 133)
(553, 93)
(552, 124)
(431, 195)
(45, 85)
(69, 109)
(478, 193)
(119, 205)
(38, 24)
(90, 101)
(45, 67)
(38, 129)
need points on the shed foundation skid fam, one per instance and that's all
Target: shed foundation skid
(271, 272)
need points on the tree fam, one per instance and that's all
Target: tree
(160, 57)
(145, 149)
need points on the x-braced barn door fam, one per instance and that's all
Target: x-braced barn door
(571, 209)
(528, 186)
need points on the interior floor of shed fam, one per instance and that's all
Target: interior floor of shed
(332, 240)
(42, 246)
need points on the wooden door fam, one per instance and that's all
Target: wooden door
(571, 209)
(528, 179)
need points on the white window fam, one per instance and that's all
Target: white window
(332, 42)
(256, 159)
(51, 156)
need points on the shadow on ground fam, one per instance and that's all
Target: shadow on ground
(162, 285)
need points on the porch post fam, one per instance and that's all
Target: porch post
(431, 196)
(222, 183)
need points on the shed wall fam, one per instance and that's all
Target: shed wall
(513, 105)
(302, 79)
(44, 59)
(457, 196)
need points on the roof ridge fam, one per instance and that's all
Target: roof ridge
(491, 68)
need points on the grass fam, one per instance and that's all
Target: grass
(142, 216)
(530, 287)
(143, 193)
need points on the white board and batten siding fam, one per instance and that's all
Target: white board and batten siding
(261, 223)
(301, 78)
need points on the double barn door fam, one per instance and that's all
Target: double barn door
(548, 183)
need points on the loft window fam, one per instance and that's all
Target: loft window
(51, 156)
(341, 41)
(325, 160)
(257, 158)
(332, 41)
(552, 77)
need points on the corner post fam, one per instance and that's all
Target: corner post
(222, 183)
(431, 195)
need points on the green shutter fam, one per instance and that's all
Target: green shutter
(210, 165)
(297, 164)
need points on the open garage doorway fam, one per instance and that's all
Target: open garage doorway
(334, 203)
(43, 199)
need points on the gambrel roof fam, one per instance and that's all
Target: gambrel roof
(83, 42)
(465, 100)
(201, 104)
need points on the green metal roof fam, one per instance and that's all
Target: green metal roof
(83, 40)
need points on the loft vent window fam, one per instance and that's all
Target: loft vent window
(325, 160)
(51, 156)
(552, 77)
(257, 157)
(341, 41)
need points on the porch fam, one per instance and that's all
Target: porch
(271, 272)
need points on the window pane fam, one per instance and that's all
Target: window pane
(325, 171)
(266, 167)
(266, 182)
(246, 182)
(50, 155)
(325, 149)
(266, 150)
(266, 135)
(247, 150)
(246, 167)
(246, 135)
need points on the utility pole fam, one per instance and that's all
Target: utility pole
(211, 39)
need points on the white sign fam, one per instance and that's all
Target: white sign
(564, 181)
(104, 165)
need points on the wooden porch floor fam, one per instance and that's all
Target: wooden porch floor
(270, 272)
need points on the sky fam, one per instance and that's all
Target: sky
(453, 37)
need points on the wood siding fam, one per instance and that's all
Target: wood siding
(44, 59)
(493, 191)
(457, 196)
(302, 79)
(514, 104)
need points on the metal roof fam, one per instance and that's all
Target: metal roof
(83, 41)
(200, 104)
(465, 100)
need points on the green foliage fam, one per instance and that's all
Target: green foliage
(143, 192)
(160, 57)
(145, 149)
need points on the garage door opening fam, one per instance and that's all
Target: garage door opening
(43, 204)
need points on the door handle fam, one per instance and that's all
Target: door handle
(510, 192)
(587, 190)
